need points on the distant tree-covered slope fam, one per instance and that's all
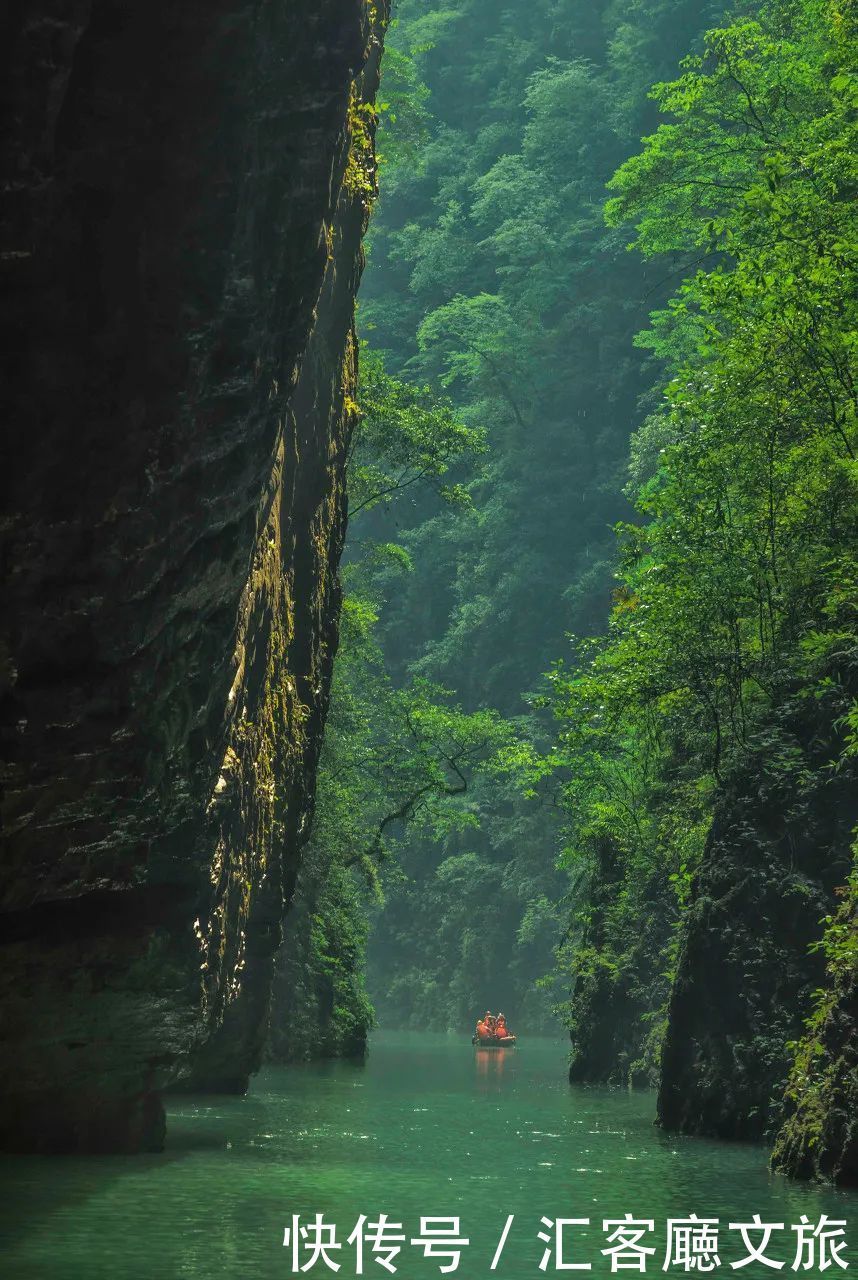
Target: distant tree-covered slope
(492, 273)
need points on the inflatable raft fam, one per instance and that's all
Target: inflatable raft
(492, 1042)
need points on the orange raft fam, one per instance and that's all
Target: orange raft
(493, 1042)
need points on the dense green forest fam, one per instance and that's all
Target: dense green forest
(607, 433)
(710, 739)
(493, 273)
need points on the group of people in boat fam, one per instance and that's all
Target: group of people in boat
(493, 1028)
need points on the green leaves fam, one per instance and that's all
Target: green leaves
(731, 605)
(403, 108)
(758, 416)
(406, 435)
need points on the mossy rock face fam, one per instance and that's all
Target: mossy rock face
(749, 962)
(819, 1138)
(175, 517)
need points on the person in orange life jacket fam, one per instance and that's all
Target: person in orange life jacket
(501, 1030)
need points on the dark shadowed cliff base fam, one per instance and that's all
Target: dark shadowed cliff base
(183, 204)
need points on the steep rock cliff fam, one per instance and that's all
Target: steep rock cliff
(819, 1139)
(184, 194)
(319, 1005)
(778, 849)
(613, 1033)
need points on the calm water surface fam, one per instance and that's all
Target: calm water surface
(427, 1127)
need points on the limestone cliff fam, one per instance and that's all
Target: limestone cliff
(185, 190)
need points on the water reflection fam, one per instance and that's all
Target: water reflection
(490, 1062)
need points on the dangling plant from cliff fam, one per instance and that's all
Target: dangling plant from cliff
(361, 175)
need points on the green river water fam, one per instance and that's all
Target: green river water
(426, 1127)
